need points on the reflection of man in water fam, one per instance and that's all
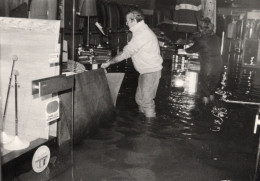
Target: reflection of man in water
(145, 53)
(211, 65)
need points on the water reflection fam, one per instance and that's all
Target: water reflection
(217, 136)
(240, 83)
(187, 141)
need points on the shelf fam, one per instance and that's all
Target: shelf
(13, 155)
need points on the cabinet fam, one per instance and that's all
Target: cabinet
(33, 147)
(32, 120)
(251, 44)
(240, 31)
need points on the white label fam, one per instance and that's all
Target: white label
(52, 109)
(41, 159)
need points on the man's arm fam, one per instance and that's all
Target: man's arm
(114, 60)
(128, 51)
(117, 58)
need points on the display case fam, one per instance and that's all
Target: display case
(251, 53)
(36, 129)
(239, 28)
(48, 102)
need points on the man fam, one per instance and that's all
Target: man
(145, 53)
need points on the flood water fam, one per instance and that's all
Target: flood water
(187, 141)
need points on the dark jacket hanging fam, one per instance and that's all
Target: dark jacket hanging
(187, 15)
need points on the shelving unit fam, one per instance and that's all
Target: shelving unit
(251, 43)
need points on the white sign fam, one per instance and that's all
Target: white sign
(52, 109)
(41, 159)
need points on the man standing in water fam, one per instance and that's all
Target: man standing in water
(145, 53)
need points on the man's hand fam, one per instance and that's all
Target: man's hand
(105, 65)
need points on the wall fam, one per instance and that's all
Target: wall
(144, 4)
(6, 5)
(2, 9)
(254, 4)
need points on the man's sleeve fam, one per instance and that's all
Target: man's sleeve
(132, 47)
(194, 48)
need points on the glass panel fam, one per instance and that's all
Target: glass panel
(36, 102)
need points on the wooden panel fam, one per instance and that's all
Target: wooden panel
(93, 103)
(33, 42)
(55, 85)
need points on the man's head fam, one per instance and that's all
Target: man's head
(133, 17)
(206, 27)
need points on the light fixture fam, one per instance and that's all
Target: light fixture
(87, 8)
